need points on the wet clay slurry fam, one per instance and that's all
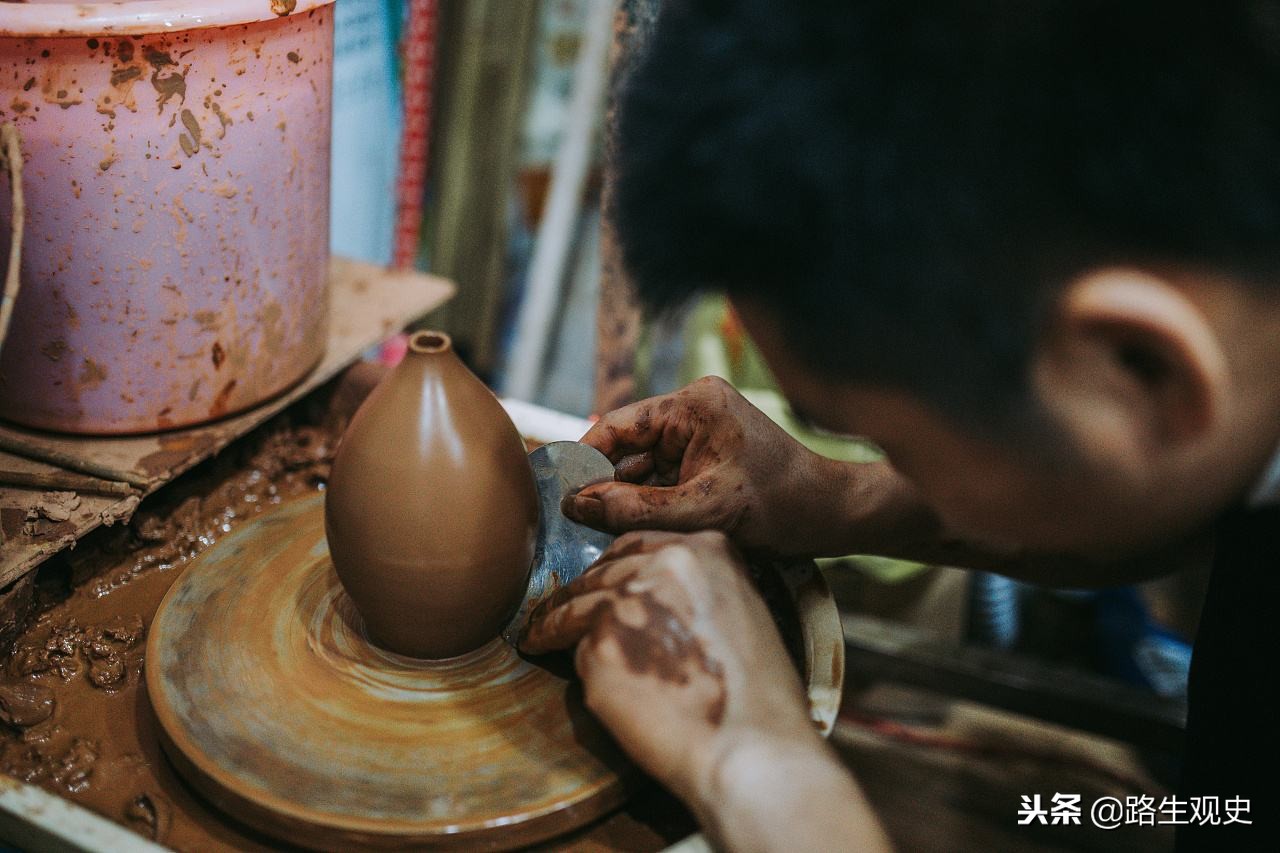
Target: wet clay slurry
(95, 741)
(276, 707)
(431, 511)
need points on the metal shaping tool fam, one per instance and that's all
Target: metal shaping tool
(564, 548)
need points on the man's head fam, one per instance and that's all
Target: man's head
(1033, 248)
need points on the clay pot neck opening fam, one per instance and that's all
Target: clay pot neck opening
(429, 343)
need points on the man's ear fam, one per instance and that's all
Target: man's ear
(1132, 360)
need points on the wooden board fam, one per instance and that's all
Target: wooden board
(369, 304)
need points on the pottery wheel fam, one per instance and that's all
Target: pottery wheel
(277, 709)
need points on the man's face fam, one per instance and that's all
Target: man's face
(1054, 499)
(984, 493)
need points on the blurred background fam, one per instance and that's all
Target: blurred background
(500, 83)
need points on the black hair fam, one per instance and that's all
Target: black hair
(905, 186)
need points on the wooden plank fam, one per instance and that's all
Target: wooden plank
(37, 820)
(368, 304)
(879, 650)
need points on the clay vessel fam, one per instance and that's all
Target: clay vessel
(431, 510)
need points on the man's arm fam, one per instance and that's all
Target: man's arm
(768, 795)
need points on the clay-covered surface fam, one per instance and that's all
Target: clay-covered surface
(74, 717)
(74, 714)
(373, 747)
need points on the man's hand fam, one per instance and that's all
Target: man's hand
(675, 648)
(704, 458)
(681, 661)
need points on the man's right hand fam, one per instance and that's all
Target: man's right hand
(703, 458)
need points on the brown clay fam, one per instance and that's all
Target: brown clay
(99, 748)
(431, 510)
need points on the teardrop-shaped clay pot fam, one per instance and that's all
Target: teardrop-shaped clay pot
(431, 510)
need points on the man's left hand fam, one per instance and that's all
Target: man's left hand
(678, 654)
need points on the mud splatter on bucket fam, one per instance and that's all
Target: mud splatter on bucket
(177, 171)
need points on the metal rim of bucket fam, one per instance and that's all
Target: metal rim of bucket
(141, 17)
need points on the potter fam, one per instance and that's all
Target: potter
(1030, 251)
(431, 510)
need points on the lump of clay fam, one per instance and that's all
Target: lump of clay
(431, 510)
(24, 704)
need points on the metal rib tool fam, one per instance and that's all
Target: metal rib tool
(564, 548)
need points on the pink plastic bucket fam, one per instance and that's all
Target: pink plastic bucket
(177, 190)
